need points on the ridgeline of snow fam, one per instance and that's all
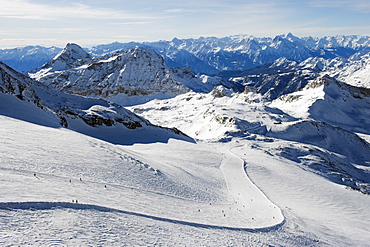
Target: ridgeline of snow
(242, 52)
(354, 71)
(330, 101)
(209, 55)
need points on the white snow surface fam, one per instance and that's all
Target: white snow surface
(252, 178)
(45, 171)
(356, 71)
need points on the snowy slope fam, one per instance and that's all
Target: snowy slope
(354, 71)
(95, 117)
(247, 115)
(273, 143)
(154, 189)
(330, 101)
(248, 171)
(245, 183)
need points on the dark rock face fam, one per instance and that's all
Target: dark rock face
(93, 112)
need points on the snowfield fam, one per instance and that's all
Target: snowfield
(234, 186)
(52, 174)
(207, 165)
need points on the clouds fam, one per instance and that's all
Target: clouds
(360, 6)
(90, 22)
(23, 9)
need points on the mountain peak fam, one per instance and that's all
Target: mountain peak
(72, 51)
(72, 55)
(176, 41)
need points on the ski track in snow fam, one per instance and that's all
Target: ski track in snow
(249, 208)
(246, 196)
(169, 194)
(79, 206)
(39, 180)
(73, 227)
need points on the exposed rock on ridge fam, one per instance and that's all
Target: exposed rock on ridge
(71, 109)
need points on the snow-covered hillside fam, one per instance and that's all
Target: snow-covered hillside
(194, 160)
(328, 100)
(281, 77)
(354, 71)
(310, 117)
(95, 117)
(64, 187)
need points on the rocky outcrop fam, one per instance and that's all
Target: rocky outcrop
(68, 108)
(138, 71)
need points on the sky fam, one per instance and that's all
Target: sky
(88, 23)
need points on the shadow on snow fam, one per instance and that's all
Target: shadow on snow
(78, 206)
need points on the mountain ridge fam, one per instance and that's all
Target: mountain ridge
(76, 112)
(135, 72)
(209, 55)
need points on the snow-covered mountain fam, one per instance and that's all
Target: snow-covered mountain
(70, 57)
(328, 100)
(74, 112)
(354, 71)
(128, 72)
(284, 161)
(285, 76)
(28, 58)
(242, 52)
(209, 55)
(323, 117)
(135, 72)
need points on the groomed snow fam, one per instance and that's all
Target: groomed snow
(57, 167)
(233, 188)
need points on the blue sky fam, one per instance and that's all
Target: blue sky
(57, 22)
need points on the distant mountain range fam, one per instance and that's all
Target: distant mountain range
(211, 55)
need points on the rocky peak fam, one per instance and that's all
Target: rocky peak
(322, 80)
(71, 56)
(138, 71)
(15, 83)
(72, 52)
